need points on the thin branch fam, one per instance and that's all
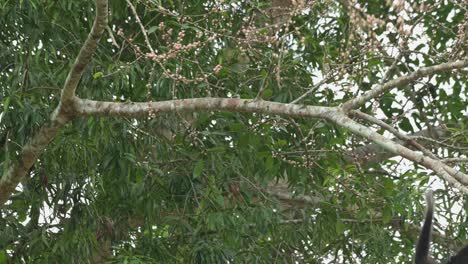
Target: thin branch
(403, 80)
(455, 160)
(111, 35)
(392, 130)
(143, 30)
(433, 141)
(312, 89)
(400, 55)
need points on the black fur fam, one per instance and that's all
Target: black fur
(461, 257)
(424, 242)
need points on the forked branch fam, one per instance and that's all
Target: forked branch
(62, 114)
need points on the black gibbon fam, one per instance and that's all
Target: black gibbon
(422, 248)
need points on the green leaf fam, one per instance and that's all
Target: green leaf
(97, 75)
(389, 186)
(152, 29)
(6, 103)
(199, 166)
(267, 93)
(211, 221)
(239, 67)
(220, 200)
(3, 257)
(374, 61)
(281, 143)
(406, 125)
(269, 163)
(339, 226)
(387, 214)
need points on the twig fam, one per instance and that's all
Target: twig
(312, 89)
(392, 130)
(440, 143)
(455, 160)
(143, 30)
(114, 42)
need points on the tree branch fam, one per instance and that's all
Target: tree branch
(143, 30)
(392, 130)
(86, 107)
(86, 52)
(422, 72)
(454, 179)
(373, 153)
(62, 114)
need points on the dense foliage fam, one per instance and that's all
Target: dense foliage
(219, 186)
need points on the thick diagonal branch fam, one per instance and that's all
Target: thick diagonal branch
(373, 153)
(454, 179)
(62, 114)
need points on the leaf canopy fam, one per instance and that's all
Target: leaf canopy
(227, 187)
